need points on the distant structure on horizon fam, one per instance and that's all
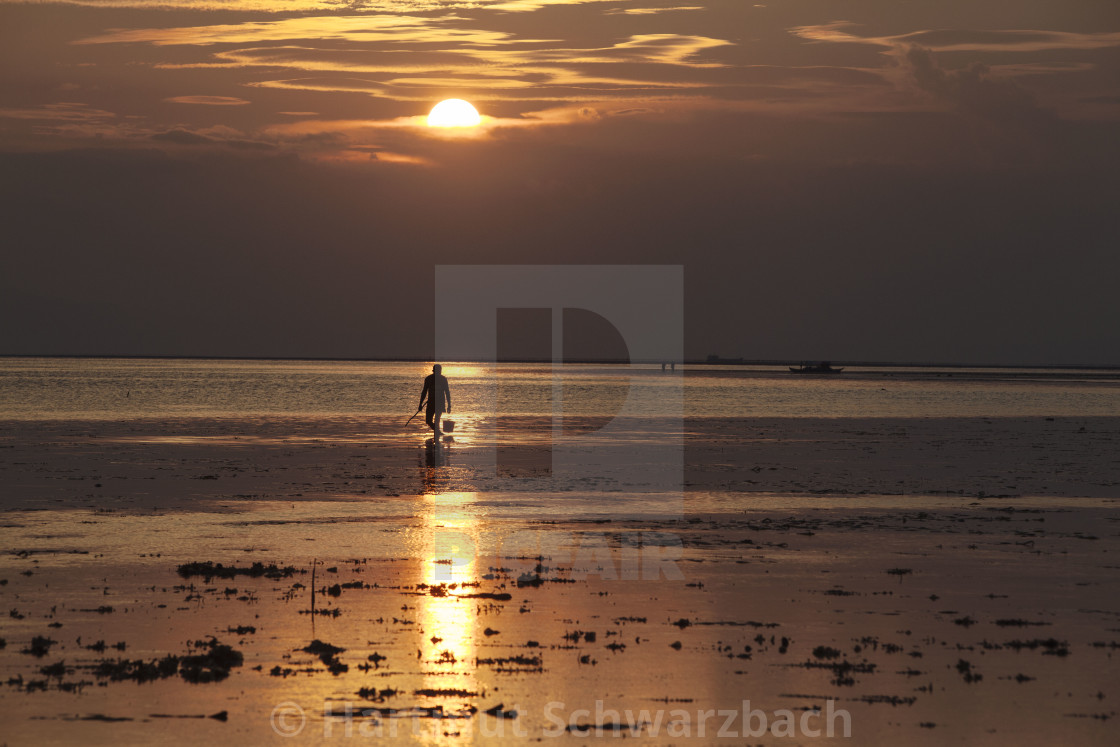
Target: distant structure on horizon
(824, 367)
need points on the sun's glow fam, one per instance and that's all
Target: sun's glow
(454, 113)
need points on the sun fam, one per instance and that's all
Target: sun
(454, 113)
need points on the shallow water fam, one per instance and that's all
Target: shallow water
(112, 389)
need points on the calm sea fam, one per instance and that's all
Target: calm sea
(111, 389)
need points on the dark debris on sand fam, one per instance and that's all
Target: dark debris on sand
(328, 654)
(206, 661)
(210, 661)
(210, 570)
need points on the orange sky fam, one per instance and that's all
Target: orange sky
(304, 76)
(730, 98)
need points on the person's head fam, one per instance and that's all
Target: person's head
(437, 368)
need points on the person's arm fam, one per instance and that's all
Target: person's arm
(447, 393)
(423, 395)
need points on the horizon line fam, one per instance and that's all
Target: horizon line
(583, 361)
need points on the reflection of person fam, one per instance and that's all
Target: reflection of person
(437, 393)
(435, 458)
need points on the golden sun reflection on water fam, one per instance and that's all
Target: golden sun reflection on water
(449, 624)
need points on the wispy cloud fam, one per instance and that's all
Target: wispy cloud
(651, 11)
(73, 121)
(259, 6)
(513, 6)
(398, 31)
(963, 40)
(407, 58)
(60, 112)
(207, 100)
(993, 80)
(219, 135)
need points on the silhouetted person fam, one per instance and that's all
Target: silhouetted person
(437, 393)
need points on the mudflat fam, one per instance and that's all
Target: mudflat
(918, 581)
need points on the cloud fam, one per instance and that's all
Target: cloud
(182, 137)
(671, 49)
(963, 40)
(312, 6)
(972, 89)
(512, 6)
(60, 112)
(403, 58)
(392, 29)
(219, 135)
(992, 84)
(67, 121)
(208, 100)
(255, 6)
(650, 11)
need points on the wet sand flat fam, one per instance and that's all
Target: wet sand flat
(239, 581)
(177, 462)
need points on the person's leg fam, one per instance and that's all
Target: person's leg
(435, 422)
(429, 417)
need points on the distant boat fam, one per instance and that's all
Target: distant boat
(823, 368)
